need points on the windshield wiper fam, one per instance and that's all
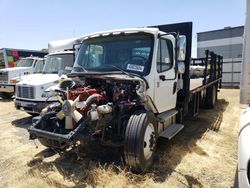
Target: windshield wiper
(117, 68)
(53, 72)
(78, 69)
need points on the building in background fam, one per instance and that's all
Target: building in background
(227, 42)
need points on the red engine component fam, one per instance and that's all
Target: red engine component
(83, 92)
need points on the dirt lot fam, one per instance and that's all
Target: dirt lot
(203, 155)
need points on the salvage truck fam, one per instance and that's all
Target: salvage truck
(30, 92)
(10, 76)
(128, 88)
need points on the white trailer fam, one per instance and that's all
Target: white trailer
(30, 93)
(244, 126)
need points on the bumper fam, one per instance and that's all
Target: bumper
(36, 132)
(31, 106)
(7, 88)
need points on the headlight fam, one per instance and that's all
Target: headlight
(46, 94)
(14, 81)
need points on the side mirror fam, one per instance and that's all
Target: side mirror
(181, 67)
(61, 72)
(181, 44)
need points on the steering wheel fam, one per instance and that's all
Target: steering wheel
(136, 58)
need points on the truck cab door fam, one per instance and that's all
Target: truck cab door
(165, 77)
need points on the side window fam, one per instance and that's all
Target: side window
(93, 56)
(164, 55)
(39, 66)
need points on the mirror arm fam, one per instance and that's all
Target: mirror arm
(176, 47)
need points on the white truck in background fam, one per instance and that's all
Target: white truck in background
(30, 92)
(10, 76)
(244, 126)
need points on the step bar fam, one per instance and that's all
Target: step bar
(171, 131)
(166, 115)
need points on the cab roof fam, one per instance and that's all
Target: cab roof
(62, 52)
(32, 57)
(120, 31)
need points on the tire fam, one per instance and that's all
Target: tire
(179, 117)
(211, 95)
(216, 97)
(5, 95)
(140, 141)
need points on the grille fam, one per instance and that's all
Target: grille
(3, 76)
(25, 92)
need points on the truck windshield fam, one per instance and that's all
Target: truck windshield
(58, 63)
(39, 66)
(129, 52)
(25, 63)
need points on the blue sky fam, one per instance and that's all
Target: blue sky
(30, 24)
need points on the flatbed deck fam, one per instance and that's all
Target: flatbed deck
(210, 74)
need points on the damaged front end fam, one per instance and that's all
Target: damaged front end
(92, 107)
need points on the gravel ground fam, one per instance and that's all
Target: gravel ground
(204, 154)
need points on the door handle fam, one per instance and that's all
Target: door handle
(162, 77)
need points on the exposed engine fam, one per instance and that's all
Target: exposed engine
(97, 108)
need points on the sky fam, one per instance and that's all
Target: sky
(30, 24)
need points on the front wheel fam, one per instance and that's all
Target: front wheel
(140, 141)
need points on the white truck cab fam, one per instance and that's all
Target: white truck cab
(30, 92)
(10, 76)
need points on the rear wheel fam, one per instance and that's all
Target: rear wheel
(211, 96)
(179, 117)
(140, 141)
(5, 95)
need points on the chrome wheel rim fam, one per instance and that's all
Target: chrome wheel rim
(149, 141)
